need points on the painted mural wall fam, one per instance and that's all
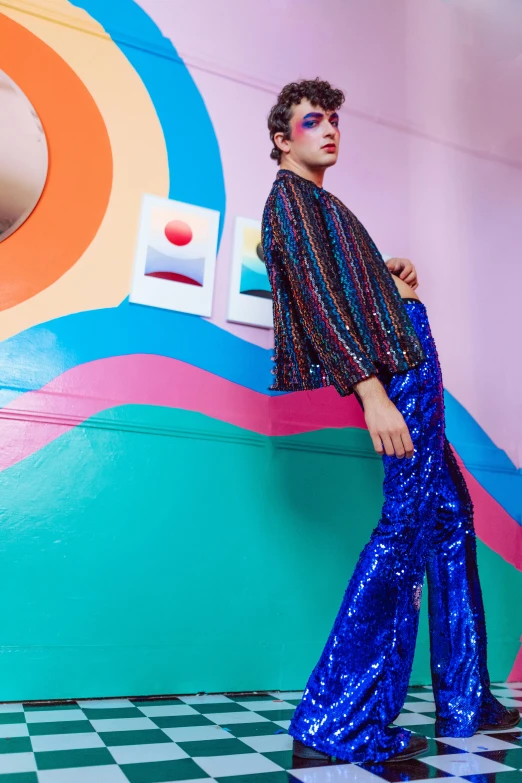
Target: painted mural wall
(167, 522)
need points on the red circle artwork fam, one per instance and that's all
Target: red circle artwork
(178, 232)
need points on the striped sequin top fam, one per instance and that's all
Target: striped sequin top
(338, 315)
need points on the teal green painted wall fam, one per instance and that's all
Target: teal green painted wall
(162, 551)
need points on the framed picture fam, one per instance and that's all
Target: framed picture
(175, 259)
(250, 298)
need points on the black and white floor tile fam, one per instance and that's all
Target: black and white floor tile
(228, 738)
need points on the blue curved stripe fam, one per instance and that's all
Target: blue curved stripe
(196, 172)
(486, 462)
(32, 358)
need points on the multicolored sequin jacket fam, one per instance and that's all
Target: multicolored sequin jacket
(338, 315)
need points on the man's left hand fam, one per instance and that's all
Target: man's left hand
(404, 269)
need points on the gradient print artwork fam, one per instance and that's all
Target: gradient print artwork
(175, 257)
(250, 296)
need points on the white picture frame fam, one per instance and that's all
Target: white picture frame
(175, 257)
(250, 296)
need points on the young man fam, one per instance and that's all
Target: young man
(344, 317)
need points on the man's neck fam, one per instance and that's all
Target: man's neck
(315, 175)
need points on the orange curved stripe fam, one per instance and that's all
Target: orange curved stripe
(78, 186)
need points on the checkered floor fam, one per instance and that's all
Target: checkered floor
(231, 738)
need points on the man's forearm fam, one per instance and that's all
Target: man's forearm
(370, 390)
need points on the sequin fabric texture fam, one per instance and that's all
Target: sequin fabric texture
(338, 316)
(359, 684)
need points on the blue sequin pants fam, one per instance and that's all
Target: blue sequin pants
(359, 685)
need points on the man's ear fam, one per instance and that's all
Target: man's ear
(281, 142)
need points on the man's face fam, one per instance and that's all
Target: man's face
(314, 136)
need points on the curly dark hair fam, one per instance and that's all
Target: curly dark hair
(318, 92)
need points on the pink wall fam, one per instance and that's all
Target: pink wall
(431, 155)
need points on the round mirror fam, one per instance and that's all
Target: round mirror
(24, 157)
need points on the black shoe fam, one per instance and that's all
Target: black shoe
(508, 722)
(305, 752)
(415, 747)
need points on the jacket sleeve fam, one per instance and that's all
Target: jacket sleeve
(298, 231)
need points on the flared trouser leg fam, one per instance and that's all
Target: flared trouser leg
(359, 685)
(458, 655)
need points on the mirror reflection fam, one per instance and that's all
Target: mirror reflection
(23, 157)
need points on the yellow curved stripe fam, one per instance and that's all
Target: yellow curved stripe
(101, 277)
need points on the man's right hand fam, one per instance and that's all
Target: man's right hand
(388, 430)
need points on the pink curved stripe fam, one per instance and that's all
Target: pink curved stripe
(493, 525)
(148, 379)
(515, 675)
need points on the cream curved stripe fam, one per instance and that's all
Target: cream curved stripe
(130, 118)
